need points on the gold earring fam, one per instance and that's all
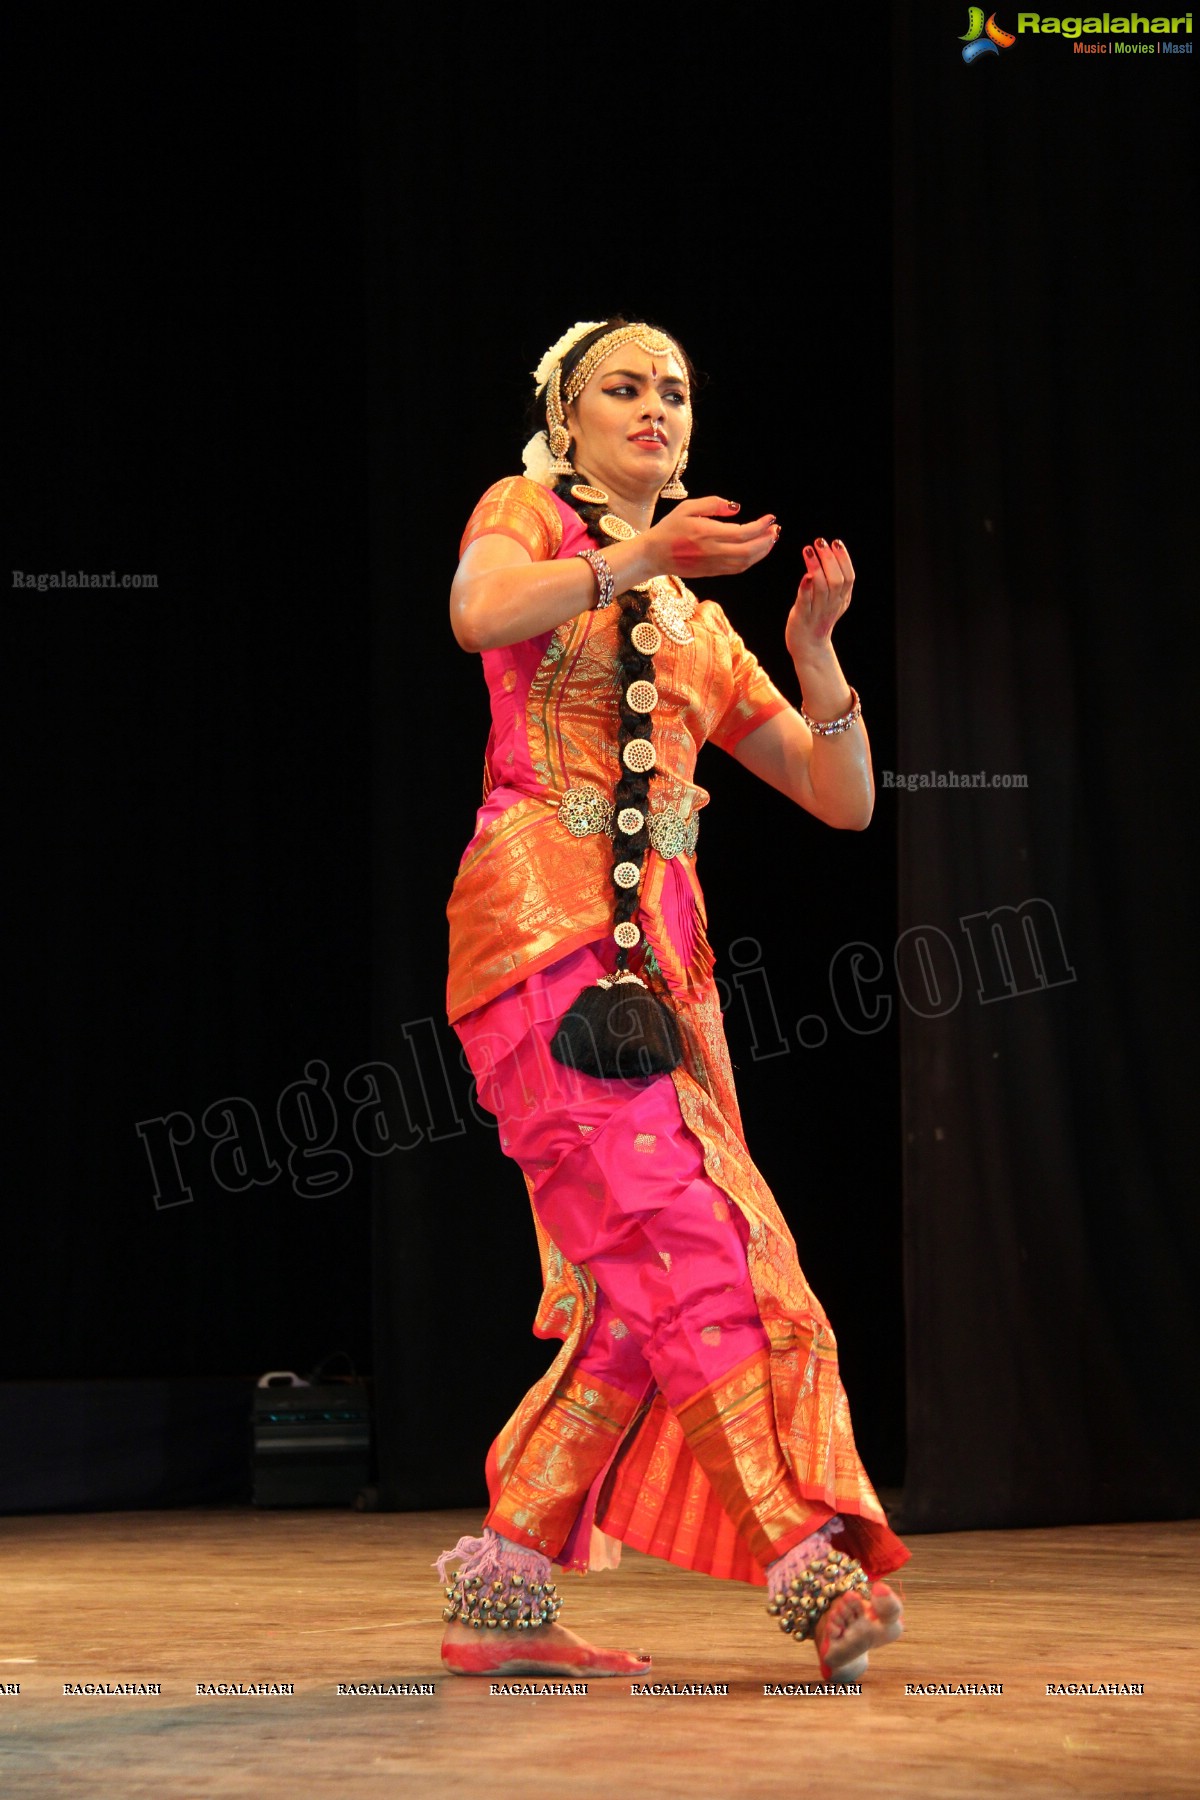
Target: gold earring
(675, 489)
(558, 435)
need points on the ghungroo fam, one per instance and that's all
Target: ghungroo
(497, 1587)
(801, 1602)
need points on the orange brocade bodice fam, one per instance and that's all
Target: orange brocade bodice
(527, 890)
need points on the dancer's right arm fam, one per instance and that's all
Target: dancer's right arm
(501, 596)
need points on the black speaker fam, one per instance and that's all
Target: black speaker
(311, 1445)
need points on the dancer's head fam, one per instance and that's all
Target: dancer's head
(616, 399)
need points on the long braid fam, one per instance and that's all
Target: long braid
(620, 1030)
(632, 788)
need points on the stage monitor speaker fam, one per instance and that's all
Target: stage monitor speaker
(311, 1445)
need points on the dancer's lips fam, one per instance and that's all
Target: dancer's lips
(653, 438)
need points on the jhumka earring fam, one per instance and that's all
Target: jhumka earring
(675, 489)
(559, 436)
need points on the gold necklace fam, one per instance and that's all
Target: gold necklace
(671, 603)
(671, 606)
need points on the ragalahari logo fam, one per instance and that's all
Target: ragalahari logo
(983, 39)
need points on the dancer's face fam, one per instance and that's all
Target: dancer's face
(631, 421)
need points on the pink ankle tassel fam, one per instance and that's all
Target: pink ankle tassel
(466, 1551)
(490, 1555)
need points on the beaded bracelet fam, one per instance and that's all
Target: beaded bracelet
(831, 727)
(605, 583)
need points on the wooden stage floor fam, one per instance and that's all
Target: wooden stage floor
(318, 1598)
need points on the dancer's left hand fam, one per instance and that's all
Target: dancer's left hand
(823, 597)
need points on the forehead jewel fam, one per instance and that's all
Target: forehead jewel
(654, 343)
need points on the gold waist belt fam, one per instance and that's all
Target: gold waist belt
(584, 811)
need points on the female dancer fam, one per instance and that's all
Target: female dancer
(694, 1410)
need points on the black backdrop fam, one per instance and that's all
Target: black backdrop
(1045, 406)
(285, 274)
(191, 850)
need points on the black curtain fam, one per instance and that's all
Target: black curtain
(187, 844)
(1045, 406)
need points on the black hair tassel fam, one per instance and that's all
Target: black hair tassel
(618, 1029)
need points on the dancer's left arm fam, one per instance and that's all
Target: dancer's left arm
(828, 776)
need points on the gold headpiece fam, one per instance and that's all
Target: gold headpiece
(654, 343)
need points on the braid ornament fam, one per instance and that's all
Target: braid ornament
(617, 1028)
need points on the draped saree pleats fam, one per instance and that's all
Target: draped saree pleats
(694, 1410)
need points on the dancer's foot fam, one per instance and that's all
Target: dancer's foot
(852, 1626)
(546, 1650)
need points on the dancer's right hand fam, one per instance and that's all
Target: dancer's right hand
(700, 538)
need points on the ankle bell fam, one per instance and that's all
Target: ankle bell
(801, 1602)
(498, 1588)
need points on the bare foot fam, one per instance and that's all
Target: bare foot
(545, 1650)
(852, 1626)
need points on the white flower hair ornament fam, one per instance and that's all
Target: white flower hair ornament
(537, 460)
(544, 457)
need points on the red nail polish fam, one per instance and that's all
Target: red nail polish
(822, 544)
